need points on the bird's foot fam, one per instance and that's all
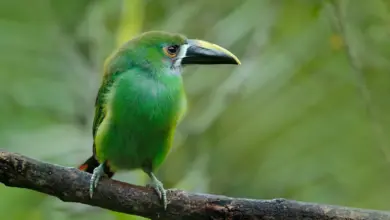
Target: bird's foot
(159, 188)
(98, 172)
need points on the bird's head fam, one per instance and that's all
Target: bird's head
(157, 49)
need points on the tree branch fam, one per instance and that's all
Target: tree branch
(71, 185)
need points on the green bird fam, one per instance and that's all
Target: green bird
(141, 101)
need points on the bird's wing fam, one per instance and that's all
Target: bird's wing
(109, 75)
(100, 109)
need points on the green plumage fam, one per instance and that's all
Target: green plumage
(138, 106)
(140, 102)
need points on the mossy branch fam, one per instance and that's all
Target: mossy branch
(71, 185)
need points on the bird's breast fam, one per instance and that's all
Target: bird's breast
(145, 102)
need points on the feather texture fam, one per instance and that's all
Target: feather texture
(139, 104)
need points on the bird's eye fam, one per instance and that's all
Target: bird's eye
(171, 50)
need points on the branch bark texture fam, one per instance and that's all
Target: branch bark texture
(71, 185)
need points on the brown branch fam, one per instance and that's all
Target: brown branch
(71, 185)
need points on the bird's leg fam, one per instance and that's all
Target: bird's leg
(159, 188)
(98, 172)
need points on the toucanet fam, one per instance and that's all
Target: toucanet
(140, 102)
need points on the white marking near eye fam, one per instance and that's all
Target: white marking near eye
(181, 55)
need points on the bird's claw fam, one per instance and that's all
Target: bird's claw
(159, 189)
(97, 173)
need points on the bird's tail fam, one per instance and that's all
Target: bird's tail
(91, 163)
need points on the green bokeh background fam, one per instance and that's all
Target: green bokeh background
(305, 117)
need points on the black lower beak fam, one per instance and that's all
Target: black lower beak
(202, 52)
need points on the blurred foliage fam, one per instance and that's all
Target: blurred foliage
(304, 117)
